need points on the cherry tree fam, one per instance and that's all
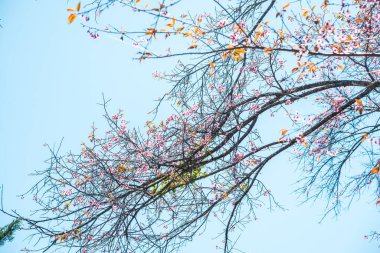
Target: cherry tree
(311, 67)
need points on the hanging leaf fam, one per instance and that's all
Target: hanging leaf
(71, 18)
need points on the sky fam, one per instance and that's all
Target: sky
(52, 77)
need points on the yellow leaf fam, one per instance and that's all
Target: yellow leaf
(187, 34)
(286, 6)
(340, 67)
(78, 7)
(180, 28)
(256, 37)
(240, 50)
(137, 1)
(283, 131)
(71, 18)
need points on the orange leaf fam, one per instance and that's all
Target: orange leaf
(137, 1)
(268, 49)
(78, 7)
(360, 109)
(294, 69)
(364, 137)
(286, 6)
(71, 18)
(172, 23)
(70, 10)
(359, 102)
(378, 202)
(224, 55)
(193, 46)
(212, 65)
(283, 131)
(180, 28)
(375, 170)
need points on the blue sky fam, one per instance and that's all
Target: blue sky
(52, 75)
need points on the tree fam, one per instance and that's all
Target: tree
(248, 62)
(7, 232)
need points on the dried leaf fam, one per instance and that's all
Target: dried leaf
(78, 7)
